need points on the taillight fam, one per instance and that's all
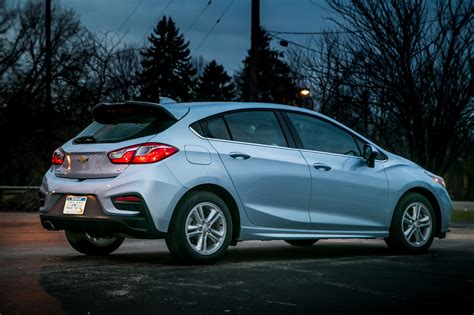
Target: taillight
(58, 157)
(142, 153)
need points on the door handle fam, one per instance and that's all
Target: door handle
(322, 167)
(239, 156)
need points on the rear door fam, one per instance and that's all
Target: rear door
(272, 180)
(346, 193)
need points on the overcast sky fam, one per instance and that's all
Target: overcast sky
(227, 43)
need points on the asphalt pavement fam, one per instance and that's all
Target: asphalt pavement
(40, 273)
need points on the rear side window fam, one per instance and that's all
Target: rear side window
(318, 135)
(215, 128)
(255, 127)
(125, 125)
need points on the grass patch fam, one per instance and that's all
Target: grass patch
(462, 216)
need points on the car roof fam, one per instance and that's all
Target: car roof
(203, 109)
(212, 108)
(176, 111)
(200, 110)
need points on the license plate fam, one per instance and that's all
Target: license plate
(75, 205)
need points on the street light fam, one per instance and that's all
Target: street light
(303, 98)
(304, 92)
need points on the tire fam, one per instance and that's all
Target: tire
(208, 239)
(308, 242)
(413, 225)
(93, 246)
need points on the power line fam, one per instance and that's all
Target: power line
(342, 31)
(129, 15)
(156, 21)
(213, 26)
(318, 5)
(198, 17)
(313, 33)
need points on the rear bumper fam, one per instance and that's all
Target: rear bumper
(124, 227)
(156, 185)
(96, 221)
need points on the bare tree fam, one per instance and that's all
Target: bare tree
(403, 68)
(12, 48)
(86, 71)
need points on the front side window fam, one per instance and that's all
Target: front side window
(318, 135)
(260, 127)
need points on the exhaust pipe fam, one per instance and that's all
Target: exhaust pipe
(49, 226)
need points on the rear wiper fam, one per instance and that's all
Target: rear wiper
(85, 139)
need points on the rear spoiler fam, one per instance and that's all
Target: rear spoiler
(107, 112)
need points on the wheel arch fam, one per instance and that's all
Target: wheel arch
(227, 198)
(433, 201)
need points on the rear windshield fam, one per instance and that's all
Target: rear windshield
(124, 128)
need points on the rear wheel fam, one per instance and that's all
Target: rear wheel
(413, 225)
(88, 244)
(200, 230)
(308, 242)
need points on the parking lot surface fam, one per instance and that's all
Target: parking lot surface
(40, 273)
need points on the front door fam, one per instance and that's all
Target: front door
(346, 194)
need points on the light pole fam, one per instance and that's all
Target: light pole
(253, 63)
(49, 106)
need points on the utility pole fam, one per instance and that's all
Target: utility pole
(47, 63)
(253, 66)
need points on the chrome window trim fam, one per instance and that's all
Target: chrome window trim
(276, 146)
(196, 133)
(279, 147)
(239, 142)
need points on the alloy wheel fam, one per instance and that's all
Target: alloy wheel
(417, 224)
(205, 228)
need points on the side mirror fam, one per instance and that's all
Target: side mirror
(369, 154)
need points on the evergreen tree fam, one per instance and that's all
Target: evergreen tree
(167, 70)
(275, 82)
(214, 84)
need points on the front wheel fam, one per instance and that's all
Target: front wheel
(88, 244)
(200, 230)
(413, 225)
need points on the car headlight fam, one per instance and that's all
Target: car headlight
(437, 179)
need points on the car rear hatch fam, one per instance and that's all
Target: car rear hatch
(115, 126)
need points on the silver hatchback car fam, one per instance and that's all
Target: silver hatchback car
(204, 176)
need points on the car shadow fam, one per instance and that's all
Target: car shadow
(319, 251)
(257, 252)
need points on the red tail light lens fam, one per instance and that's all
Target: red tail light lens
(142, 153)
(58, 157)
